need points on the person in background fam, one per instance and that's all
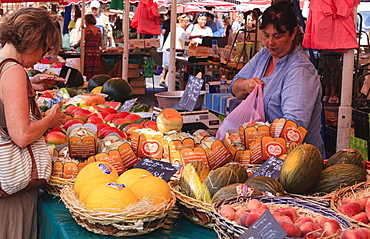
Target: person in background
(199, 29)
(227, 26)
(77, 15)
(93, 41)
(102, 21)
(39, 37)
(218, 22)
(166, 28)
(292, 87)
(183, 22)
(238, 23)
(211, 22)
(332, 75)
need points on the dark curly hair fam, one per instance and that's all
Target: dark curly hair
(30, 28)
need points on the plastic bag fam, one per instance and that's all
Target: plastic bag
(249, 110)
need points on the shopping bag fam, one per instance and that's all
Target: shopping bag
(249, 110)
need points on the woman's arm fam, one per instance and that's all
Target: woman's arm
(14, 96)
(243, 87)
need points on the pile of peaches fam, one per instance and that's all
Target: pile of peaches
(107, 121)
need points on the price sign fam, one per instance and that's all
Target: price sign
(270, 168)
(265, 227)
(158, 168)
(191, 93)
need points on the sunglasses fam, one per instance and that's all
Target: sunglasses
(202, 14)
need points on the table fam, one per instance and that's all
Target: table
(181, 62)
(55, 222)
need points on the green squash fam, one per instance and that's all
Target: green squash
(97, 80)
(266, 184)
(351, 156)
(118, 90)
(240, 170)
(192, 179)
(220, 178)
(338, 176)
(301, 169)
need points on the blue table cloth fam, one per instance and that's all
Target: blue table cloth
(55, 222)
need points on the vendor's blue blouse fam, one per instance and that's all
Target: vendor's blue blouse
(293, 91)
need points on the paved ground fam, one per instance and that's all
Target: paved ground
(149, 98)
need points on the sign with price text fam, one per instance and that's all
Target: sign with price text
(191, 93)
(158, 168)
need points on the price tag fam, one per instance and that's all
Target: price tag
(158, 168)
(264, 227)
(191, 93)
(127, 105)
(270, 168)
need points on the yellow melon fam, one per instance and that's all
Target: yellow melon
(110, 197)
(131, 176)
(168, 120)
(90, 185)
(97, 89)
(153, 188)
(94, 170)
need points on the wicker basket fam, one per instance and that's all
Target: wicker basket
(56, 184)
(232, 230)
(193, 209)
(319, 200)
(115, 224)
(356, 191)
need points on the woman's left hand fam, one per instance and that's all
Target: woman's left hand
(42, 82)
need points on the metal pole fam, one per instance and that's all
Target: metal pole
(82, 41)
(172, 67)
(126, 22)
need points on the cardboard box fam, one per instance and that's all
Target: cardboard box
(137, 82)
(82, 140)
(133, 73)
(214, 86)
(216, 152)
(152, 43)
(250, 132)
(288, 130)
(176, 142)
(136, 43)
(147, 143)
(264, 147)
(139, 91)
(186, 156)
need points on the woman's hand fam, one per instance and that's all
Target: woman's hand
(42, 82)
(56, 115)
(243, 87)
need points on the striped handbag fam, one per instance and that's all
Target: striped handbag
(22, 169)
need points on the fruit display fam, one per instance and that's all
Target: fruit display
(117, 89)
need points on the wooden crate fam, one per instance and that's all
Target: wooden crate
(139, 91)
(137, 82)
(133, 73)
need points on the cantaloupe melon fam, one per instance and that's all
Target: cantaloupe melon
(168, 120)
(94, 170)
(131, 176)
(110, 197)
(153, 188)
(91, 184)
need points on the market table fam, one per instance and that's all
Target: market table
(56, 222)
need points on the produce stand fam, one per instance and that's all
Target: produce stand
(55, 221)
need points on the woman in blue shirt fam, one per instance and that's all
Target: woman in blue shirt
(292, 87)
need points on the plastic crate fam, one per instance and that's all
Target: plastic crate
(330, 140)
(361, 123)
(360, 145)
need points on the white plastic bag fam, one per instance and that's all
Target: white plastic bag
(249, 110)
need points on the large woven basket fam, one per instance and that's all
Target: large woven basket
(193, 209)
(56, 184)
(356, 191)
(229, 229)
(115, 224)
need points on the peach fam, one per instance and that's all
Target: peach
(280, 217)
(254, 204)
(321, 220)
(71, 122)
(331, 228)
(228, 212)
(354, 234)
(80, 110)
(351, 209)
(110, 110)
(242, 219)
(361, 217)
(291, 229)
(56, 137)
(302, 220)
(309, 229)
(66, 118)
(364, 201)
(363, 232)
(287, 211)
(347, 200)
(239, 212)
(102, 114)
(250, 219)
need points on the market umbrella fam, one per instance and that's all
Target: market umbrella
(189, 9)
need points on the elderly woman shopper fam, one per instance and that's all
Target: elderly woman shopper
(199, 29)
(292, 87)
(26, 36)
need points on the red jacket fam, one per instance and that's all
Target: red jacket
(331, 25)
(146, 18)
